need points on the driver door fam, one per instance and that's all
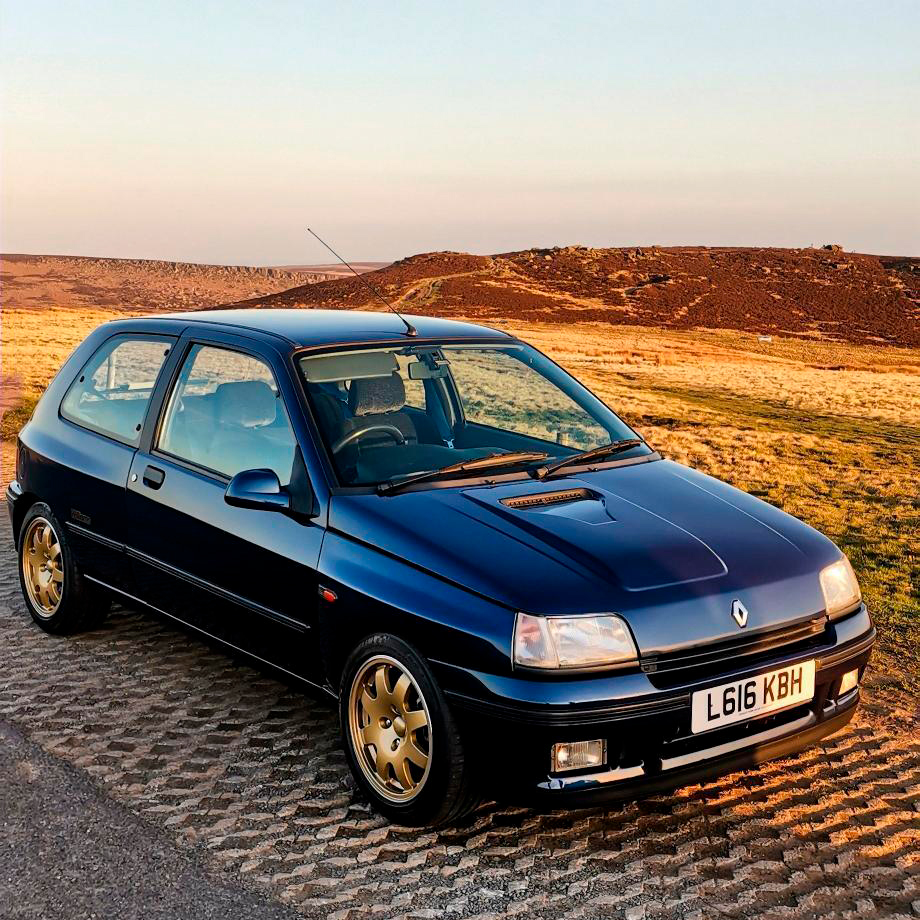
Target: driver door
(244, 575)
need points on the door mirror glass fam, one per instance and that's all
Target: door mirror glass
(257, 489)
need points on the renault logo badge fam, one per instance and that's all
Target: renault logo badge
(739, 612)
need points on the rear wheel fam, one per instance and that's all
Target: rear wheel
(400, 738)
(58, 597)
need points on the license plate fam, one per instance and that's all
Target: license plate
(752, 697)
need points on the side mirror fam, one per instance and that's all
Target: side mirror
(258, 489)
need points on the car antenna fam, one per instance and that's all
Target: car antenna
(410, 329)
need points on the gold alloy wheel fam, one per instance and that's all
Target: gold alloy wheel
(42, 567)
(389, 728)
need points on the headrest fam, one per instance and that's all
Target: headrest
(374, 395)
(245, 404)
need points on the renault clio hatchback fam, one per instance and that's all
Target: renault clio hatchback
(506, 589)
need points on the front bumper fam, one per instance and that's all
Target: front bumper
(650, 747)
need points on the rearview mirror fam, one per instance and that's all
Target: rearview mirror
(257, 489)
(421, 370)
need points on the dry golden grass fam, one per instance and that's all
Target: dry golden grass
(36, 343)
(829, 432)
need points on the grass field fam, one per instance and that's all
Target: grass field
(828, 432)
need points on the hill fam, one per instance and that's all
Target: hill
(38, 281)
(816, 293)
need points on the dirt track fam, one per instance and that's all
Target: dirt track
(243, 773)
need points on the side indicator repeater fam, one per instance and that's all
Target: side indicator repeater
(329, 596)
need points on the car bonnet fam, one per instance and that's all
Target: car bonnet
(666, 546)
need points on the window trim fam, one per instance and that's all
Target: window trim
(156, 451)
(104, 433)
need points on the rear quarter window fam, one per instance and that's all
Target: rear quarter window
(112, 391)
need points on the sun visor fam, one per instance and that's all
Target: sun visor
(355, 365)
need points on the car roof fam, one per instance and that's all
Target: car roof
(305, 327)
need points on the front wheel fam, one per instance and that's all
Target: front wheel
(402, 743)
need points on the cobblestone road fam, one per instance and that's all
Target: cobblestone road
(247, 770)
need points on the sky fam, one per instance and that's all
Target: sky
(218, 131)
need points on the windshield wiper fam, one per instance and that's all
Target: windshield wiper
(605, 450)
(490, 461)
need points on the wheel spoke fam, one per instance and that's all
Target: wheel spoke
(411, 752)
(57, 576)
(370, 705)
(380, 684)
(401, 690)
(370, 734)
(381, 765)
(404, 774)
(415, 719)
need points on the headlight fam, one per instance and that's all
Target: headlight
(572, 642)
(840, 587)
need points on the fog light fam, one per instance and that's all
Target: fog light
(578, 755)
(848, 681)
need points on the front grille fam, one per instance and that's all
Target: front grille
(710, 660)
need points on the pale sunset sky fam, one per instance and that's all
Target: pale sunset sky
(217, 131)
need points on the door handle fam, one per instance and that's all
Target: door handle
(153, 477)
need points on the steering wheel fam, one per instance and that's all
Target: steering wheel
(346, 439)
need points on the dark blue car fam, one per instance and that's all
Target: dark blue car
(504, 586)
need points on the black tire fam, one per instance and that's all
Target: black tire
(444, 791)
(76, 604)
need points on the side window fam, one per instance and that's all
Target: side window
(226, 414)
(111, 394)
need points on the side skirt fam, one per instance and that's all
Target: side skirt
(136, 600)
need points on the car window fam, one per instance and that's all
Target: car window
(499, 389)
(365, 400)
(112, 392)
(225, 414)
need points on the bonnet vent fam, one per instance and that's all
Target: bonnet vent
(542, 499)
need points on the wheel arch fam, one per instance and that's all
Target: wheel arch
(24, 502)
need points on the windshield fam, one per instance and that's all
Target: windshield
(390, 412)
